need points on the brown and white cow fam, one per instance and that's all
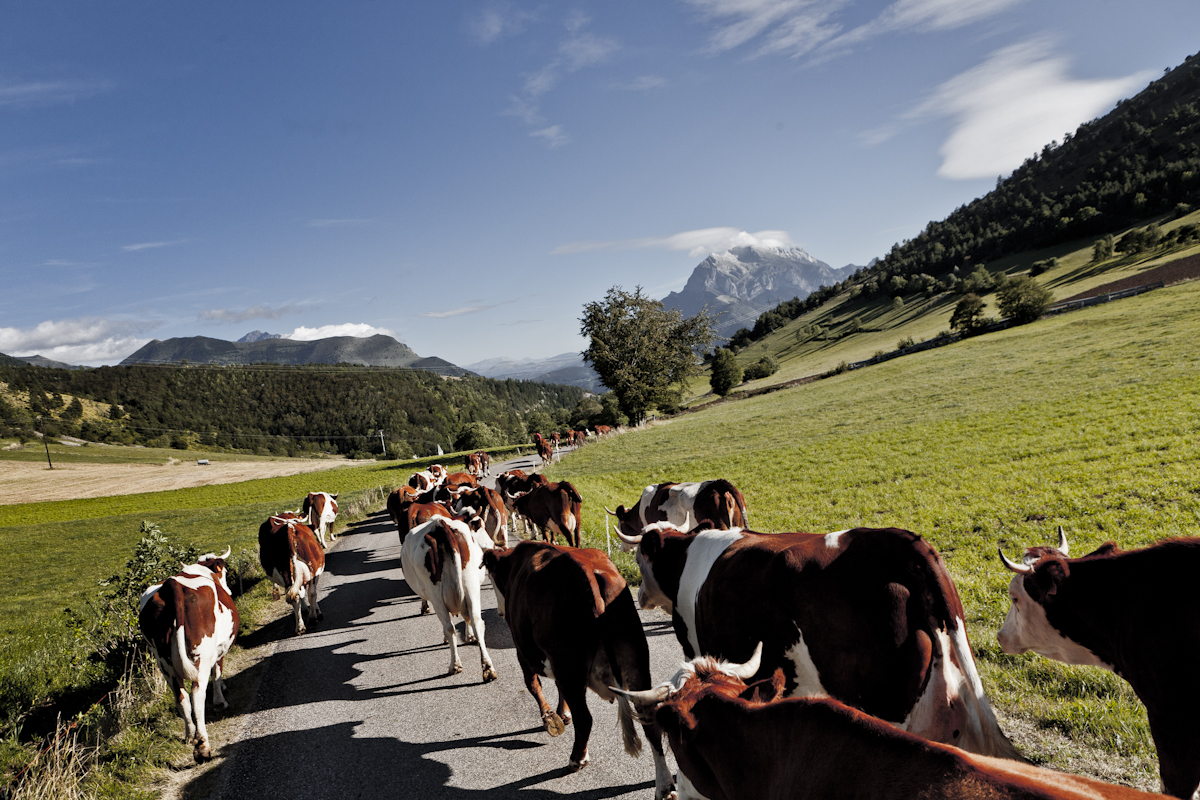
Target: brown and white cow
(686, 506)
(442, 561)
(458, 481)
(191, 621)
(293, 559)
(544, 450)
(573, 620)
(398, 501)
(319, 511)
(485, 463)
(739, 742)
(428, 479)
(488, 505)
(603, 430)
(513, 484)
(556, 509)
(869, 616)
(1133, 612)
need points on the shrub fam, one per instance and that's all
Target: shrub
(1022, 299)
(763, 368)
(904, 343)
(726, 372)
(1041, 266)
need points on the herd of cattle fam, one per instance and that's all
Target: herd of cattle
(818, 665)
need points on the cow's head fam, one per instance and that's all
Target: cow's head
(661, 552)
(1039, 582)
(629, 527)
(498, 564)
(216, 565)
(691, 677)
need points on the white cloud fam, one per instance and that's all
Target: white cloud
(525, 110)
(542, 81)
(645, 83)
(695, 243)
(497, 21)
(800, 27)
(586, 50)
(338, 223)
(554, 135)
(253, 312)
(151, 245)
(46, 93)
(359, 329)
(76, 341)
(1008, 107)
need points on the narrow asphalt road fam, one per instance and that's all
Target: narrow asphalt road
(362, 706)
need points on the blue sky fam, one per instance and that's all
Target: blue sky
(465, 175)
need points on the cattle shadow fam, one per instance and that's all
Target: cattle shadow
(373, 768)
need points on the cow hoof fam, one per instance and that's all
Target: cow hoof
(454, 670)
(202, 753)
(575, 766)
(424, 607)
(489, 673)
(566, 718)
(554, 724)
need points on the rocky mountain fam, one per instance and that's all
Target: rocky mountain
(258, 336)
(566, 368)
(746, 281)
(371, 351)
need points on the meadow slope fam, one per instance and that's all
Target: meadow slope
(1089, 420)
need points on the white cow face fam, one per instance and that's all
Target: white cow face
(1027, 628)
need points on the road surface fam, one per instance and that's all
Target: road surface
(362, 707)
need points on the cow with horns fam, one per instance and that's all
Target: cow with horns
(685, 506)
(573, 620)
(1133, 612)
(191, 621)
(293, 559)
(738, 742)
(868, 616)
(319, 511)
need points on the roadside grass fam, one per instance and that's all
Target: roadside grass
(923, 318)
(93, 453)
(1090, 420)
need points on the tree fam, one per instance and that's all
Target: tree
(1103, 249)
(639, 348)
(967, 314)
(726, 372)
(476, 436)
(1022, 299)
(765, 367)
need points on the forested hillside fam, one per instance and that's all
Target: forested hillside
(1140, 160)
(282, 409)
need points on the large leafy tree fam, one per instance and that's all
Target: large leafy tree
(640, 349)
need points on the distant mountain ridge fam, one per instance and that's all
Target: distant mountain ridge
(745, 281)
(258, 336)
(36, 361)
(565, 368)
(371, 351)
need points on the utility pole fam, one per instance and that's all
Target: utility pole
(382, 446)
(47, 444)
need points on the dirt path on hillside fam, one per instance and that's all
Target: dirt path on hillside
(26, 482)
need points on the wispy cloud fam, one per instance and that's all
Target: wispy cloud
(497, 21)
(339, 223)
(48, 93)
(1011, 105)
(645, 83)
(55, 262)
(694, 243)
(553, 135)
(253, 312)
(359, 329)
(801, 27)
(456, 312)
(152, 245)
(92, 340)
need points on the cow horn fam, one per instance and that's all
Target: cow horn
(228, 550)
(747, 670)
(1020, 569)
(630, 540)
(610, 513)
(1063, 547)
(646, 697)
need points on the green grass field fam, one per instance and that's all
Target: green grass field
(1090, 420)
(93, 453)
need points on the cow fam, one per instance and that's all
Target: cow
(555, 438)
(191, 621)
(457, 481)
(685, 506)
(320, 510)
(544, 451)
(488, 505)
(398, 501)
(739, 742)
(293, 559)
(603, 430)
(556, 509)
(1132, 612)
(442, 561)
(429, 479)
(513, 484)
(869, 616)
(573, 620)
(473, 464)
(485, 462)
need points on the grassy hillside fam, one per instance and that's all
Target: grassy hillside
(922, 317)
(1089, 420)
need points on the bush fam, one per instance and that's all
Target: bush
(1022, 299)
(1041, 266)
(726, 372)
(967, 314)
(763, 368)
(905, 343)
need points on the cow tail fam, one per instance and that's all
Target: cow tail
(993, 741)
(184, 664)
(607, 623)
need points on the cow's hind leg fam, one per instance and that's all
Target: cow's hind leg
(572, 687)
(202, 752)
(1178, 766)
(554, 724)
(219, 685)
(314, 602)
(451, 636)
(475, 626)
